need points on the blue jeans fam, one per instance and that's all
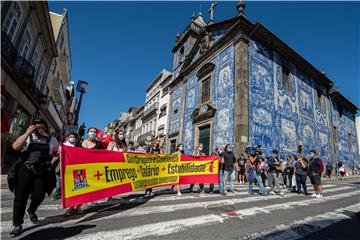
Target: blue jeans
(255, 176)
(57, 193)
(232, 179)
(221, 182)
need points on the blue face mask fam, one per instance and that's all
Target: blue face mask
(120, 137)
(92, 135)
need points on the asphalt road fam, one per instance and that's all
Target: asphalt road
(195, 216)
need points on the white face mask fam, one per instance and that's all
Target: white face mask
(180, 148)
(200, 148)
(72, 140)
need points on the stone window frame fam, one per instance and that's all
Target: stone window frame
(176, 143)
(206, 72)
(196, 135)
(287, 84)
(336, 135)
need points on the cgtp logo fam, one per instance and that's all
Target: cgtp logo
(80, 181)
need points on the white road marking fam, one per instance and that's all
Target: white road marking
(174, 226)
(317, 222)
(186, 206)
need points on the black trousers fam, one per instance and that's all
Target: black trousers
(201, 186)
(301, 181)
(27, 184)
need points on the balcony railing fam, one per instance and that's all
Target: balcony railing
(151, 109)
(8, 51)
(23, 69)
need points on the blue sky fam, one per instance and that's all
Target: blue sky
(119, 47)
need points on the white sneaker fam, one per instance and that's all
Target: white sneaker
(313, 195)
(267, 188)
(281, 193)
(179, 194)
(272, 193)
(319, 196)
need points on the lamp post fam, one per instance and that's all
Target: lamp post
(81, 87)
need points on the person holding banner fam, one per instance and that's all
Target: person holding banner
(71, 142)
(179, 150)
(118, 145)
(33, 175)
(91, 142)
(155, 149)
(221, 173)
(198, 152)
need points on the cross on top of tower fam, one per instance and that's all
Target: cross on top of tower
(211, 11)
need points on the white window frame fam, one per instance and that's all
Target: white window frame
(16, 17)
(26, 43)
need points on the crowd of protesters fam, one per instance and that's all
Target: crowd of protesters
(37, 172)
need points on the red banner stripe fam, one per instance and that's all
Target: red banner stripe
(185, 158)
(96, 195)
(75, 155)
(205, 178)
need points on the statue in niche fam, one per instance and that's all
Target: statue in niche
(205, 41)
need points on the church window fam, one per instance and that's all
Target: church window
(205, 75)
(319, 97)
(205, 93)
(181, 55)
(286, 79)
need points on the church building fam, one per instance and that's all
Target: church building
(236, 82)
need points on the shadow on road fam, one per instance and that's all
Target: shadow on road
(57, 232)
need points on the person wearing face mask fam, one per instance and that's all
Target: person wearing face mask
(33, 174)
(155, 149)
(131, 147)
(221, 173)
(118, 144)
(71, 141)
(91, 142)
(229, 161)
(179, 150)
(198, 152)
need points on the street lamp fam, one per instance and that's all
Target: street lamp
(81, 87)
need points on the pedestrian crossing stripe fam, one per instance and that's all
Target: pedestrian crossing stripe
(178, 225)
(318, 222)
(7, 225)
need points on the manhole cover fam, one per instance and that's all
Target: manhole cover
(304, 229)
(221, 208)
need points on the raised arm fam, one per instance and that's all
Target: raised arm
(20, 142)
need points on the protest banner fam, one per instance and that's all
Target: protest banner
(89, 174)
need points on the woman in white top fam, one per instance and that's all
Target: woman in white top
(118, 144)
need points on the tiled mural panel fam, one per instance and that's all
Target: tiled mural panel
(222, 99)
(176, 103)
(283, 119)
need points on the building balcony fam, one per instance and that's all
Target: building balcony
(8, 51)
(52, 114)
(58, 92)
(23, 72)
(151, 110)
(64, 67)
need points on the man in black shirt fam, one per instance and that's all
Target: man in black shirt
(229, 160)
(316, 167)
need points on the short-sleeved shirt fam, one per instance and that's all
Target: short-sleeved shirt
(53, 144)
